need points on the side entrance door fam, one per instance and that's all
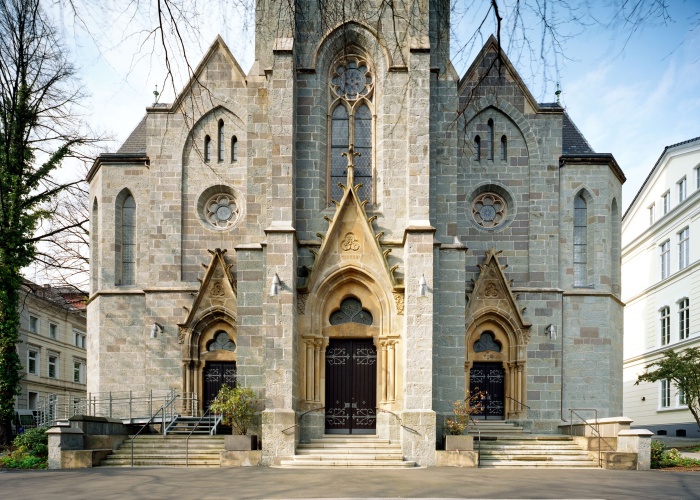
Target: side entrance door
(351, 386)
(216, 374)
(489, 378)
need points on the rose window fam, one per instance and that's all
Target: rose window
(352, 79)
(221, 211)
(489, 210)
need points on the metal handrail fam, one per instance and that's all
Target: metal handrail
(187, 440)
(572, 412)
(150, 421)
(302, 416)
(521, 404)
(409, 429)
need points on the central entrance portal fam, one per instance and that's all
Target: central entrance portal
(489, 378)
(216, 374)
(351, 386)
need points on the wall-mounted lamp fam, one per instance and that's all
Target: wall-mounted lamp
(644, 398)
(275, 287)
(156, 329)
(422, 287)
(551, 331)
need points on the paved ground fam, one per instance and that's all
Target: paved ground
(262, 482)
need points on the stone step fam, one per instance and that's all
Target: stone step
(160, 463)
(343, 445)
(538, 451)
(394, 450)
(349, 456)
(563, 464)
(357, 464)
(170, 451)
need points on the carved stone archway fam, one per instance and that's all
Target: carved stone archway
(492, 308)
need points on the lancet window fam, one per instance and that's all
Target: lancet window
(351, 122)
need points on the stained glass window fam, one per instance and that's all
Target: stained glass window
(580, 241)
(128, 241)
(351, 311)
(222, 342)
(487, 342)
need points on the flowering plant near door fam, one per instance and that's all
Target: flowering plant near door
(463, 410)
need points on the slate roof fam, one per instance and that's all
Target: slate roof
(136, 142)
(573, 141)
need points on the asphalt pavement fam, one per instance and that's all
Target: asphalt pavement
(264, 482)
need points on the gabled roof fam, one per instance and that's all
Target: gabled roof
(492, 45)
(573, 142)
(136, 142)
(666, 150)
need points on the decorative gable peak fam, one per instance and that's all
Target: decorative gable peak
(492, 293)
(351, 239)
(217, 292)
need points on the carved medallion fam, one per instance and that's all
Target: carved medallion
(350, 243)
(492, 291)
(217, 289)
(398, 298)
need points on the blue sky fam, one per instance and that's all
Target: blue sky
(630, 95)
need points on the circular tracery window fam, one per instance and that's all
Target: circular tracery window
(489, 209)
(351, 78)
(220, 207)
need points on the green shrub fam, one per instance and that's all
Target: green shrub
(662, 458)
(237, 405)
(33, 442)
(658, 449)
(31, 451)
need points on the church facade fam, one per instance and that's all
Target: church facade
(354, 231)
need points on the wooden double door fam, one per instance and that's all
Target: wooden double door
(214, 375)
(351, 386)
(489, 379)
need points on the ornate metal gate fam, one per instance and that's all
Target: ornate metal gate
(216, 374)
(489, 378)
(351, 386)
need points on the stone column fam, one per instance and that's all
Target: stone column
(417, 348)
(280, 311)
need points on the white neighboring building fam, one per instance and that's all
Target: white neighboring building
(661, 285)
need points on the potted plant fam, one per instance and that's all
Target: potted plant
(455, 439)
(237, 406)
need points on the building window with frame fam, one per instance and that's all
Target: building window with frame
(489, 139)
(665, 259)
(477, 148)
(78, 372)
(504, 148)
(683, 319)
(665, 325)
(683, 248)
(207, 148)
(665, 394)
(351, 122)
(681, 397)
(33, 361)
(652, 214)
(234, 148)
(53, 331)
(79, 339)
(33, 324)
(220, 148)
(52, 371)
(697, 177)
(681, 190)
(580, 241)
(666, 202)
(129, 241)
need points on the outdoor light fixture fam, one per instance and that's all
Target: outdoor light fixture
(275, 287)
(155, 330)
(552, 331)
(422, 287)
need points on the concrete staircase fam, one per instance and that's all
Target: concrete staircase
(343, 451)
(195, 425)
(156, 450)
(506, 445)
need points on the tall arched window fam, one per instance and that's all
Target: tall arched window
(351, 122)
(580, 240)
(504, 148)
(129, 241)
(234, 148)
(489, 140)
(207, 148)
(94, 247)
(220, 154)
(477, 148)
